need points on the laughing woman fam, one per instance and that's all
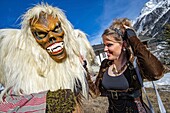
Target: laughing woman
(117, 78)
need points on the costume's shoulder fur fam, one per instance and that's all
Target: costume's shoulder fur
(87, 51)
(27, 68)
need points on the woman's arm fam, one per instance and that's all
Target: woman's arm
(150, 67)
(94, 87)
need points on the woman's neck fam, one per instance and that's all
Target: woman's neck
(118, 66)
(121, 61)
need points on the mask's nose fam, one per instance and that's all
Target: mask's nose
(52, 37)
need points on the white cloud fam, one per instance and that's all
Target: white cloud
(96, 39)
(117, 9)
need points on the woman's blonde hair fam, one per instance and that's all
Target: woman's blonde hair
(117, 29)
(112, 33)
(119, 23)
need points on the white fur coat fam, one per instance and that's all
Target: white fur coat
(27, 68)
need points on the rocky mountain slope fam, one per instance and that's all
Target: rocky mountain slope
(151, 22)
(154, 15)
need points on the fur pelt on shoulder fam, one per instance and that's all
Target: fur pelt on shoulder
(86, 50)
(28, 68)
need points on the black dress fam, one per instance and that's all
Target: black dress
(119, 101)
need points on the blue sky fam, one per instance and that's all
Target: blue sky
(90, 16)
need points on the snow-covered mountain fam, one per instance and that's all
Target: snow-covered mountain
(154, 15)
(151, 22)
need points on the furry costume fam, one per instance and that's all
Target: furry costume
(89, 54)
(27, 68)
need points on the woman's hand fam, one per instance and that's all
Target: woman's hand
(129, 32)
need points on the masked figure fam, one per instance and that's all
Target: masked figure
(40, 65)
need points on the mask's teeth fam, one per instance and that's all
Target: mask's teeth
(49, 50)
(55, 47)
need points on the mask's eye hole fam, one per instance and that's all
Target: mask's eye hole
(58, 28)
(40, 34)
